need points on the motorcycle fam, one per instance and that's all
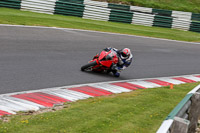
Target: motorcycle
(102, 62)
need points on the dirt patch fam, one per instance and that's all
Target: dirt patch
(7, 118)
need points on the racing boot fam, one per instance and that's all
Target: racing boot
(116, 74)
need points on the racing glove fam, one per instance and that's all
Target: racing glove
(107, 49)
(116, 68)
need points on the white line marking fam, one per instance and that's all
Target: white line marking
(145, 84)
(6, 109)
(106, 88)
(192, 78)
(173, 81)
(79, 94)
(63, 94)
(43, 27)
(12, 106)
(25, 102)
(20, 103)
(113, 87)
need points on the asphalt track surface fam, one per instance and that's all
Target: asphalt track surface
(37, 58)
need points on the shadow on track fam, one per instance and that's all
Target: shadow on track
(106, 75)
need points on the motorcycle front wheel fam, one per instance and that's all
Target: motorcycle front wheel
(88, 66)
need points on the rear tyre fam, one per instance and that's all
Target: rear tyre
(88, 66)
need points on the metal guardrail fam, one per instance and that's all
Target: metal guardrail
(111, 12)
(184, 116)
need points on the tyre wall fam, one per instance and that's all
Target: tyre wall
(103, 11)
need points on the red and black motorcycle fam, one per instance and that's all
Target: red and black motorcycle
(101, 62)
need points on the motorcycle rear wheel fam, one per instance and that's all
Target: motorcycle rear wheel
(88, 66)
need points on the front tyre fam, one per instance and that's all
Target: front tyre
(88, 66)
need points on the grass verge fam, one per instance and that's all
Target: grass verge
(179, 5)
(138, 111)
(17, 17)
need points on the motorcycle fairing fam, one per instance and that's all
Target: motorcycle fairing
(107, 58)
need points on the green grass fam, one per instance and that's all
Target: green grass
(12, 16)
(179, 5)
(140, 111)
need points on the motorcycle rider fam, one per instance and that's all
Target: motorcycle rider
(125, 58)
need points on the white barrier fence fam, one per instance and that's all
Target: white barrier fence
(146, 19)
(96, 13)
(41, 6)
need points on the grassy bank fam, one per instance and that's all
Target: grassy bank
(140, 111)
(12, 16)
(179, 5)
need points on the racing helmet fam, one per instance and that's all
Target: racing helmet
(125, 53)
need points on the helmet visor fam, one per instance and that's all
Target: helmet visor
(124, 55)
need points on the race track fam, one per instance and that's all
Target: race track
(36, 58)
